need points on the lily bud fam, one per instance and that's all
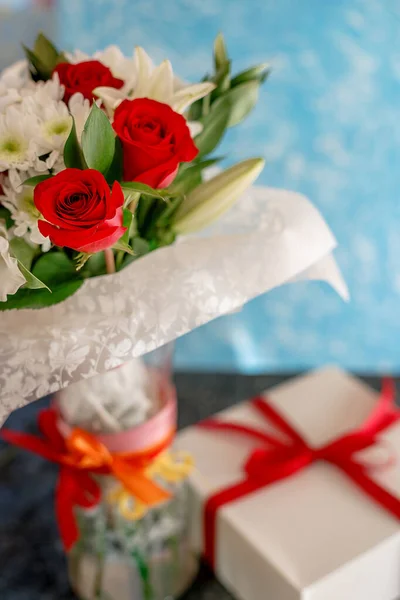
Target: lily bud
(207, 202)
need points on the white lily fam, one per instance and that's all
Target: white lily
(11, 278)
(157, 83)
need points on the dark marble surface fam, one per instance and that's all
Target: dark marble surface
(32, 564)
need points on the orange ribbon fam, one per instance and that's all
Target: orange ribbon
(171, 467)
(80, 457)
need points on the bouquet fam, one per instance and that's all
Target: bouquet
(105, 160)
(102, 161)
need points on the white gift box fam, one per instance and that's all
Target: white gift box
(315, 535)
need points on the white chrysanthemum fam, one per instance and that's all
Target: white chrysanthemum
(8, 96)
(35, 128)
(142, 79)
(13, 82)
(58, 166)
(45, 92)
(42, 97)
(18, 200)
(34, 125)
(11, 278)
(54, 129)
(16, 86)
(16, 76)
(19, 139)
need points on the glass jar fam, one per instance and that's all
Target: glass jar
(127, 551)
(145, 559)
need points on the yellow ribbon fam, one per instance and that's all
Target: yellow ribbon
(171, 467)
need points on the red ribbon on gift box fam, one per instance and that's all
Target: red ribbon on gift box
(277, 459)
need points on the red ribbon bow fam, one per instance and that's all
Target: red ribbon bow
(80, 457)
(277, 459)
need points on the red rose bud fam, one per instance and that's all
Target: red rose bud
(85, 77)
(155, 140)
(80, 210)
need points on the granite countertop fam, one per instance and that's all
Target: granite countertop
(32, 563)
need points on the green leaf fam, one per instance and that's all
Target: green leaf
(259, 72)
(73, 157)
(62, 58)
(22, 251)
(33, 181)
(242, 100)
(43, 58)
(179, 186)
(5, 216)
(37, 67)
(32, 282)
(46, 52)
(131, 200)
(222, 80)
(220, 53)
(81, 260)
(26, 298)
(124, 246)
(115, 170)
(190, 179)
(140, 248)
(98, 141)
(166, 216)
(214, 126)
(195, 111)
(206, 105)
(143, 213)
(221, 74)
(96, 265)
(143, 189)
(166, 238)
(54, 268)
(127, 221)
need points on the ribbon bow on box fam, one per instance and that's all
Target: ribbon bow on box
(276, 459)
(81, 456)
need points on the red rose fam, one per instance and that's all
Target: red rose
(80, 210)
(85, 77)
(155, 140)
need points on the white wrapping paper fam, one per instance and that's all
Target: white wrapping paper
(270, 237)
(313, 536)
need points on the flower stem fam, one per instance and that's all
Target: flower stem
(110, 261)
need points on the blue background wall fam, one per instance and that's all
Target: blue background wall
(328, 123)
